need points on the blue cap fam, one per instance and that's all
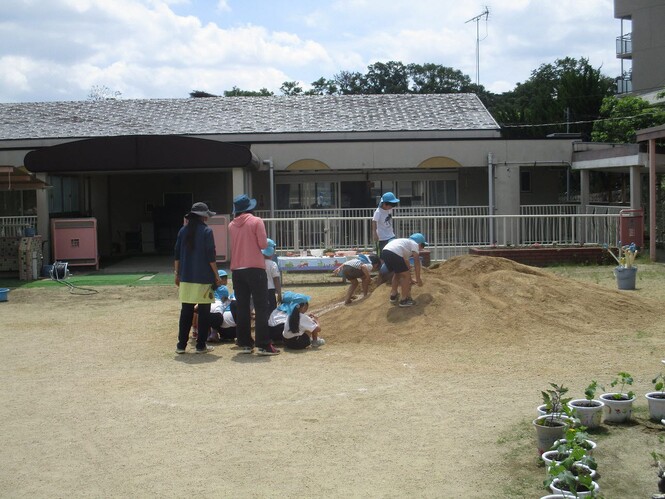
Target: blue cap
(270, 250)
(222, 293)
(291, 300)
(222, 273)
(419, 238)
(389, 197)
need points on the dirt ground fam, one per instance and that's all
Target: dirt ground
(430, 401)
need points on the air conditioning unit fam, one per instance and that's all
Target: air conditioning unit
(75, 241)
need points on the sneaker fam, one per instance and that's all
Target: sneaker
(406, 302)
(205, 350)
(318, 342)
(394, 298)
(245, 349)
(269, 350)
(179, 350)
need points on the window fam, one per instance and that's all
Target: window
(442, 192)
(525, 181)
(306, 195)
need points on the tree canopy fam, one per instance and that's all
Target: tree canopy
(622, 116)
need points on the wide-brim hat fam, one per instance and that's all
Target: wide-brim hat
(201, 209)
(243, 203)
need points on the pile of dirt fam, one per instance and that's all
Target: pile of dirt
(488, 297)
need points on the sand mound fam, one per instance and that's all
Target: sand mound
(488, 297)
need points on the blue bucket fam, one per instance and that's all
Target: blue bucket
(3, 294)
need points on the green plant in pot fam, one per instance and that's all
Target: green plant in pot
(588, 410)
(619, 404)
(570, 482)
(656, 399)
(552, 426)
(575, 437)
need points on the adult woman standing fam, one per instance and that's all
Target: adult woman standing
(195, 275)
(248, 266)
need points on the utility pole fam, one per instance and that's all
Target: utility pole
(477, 18)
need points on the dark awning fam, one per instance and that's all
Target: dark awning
(138, 153)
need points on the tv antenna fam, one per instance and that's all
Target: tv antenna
(485, 14)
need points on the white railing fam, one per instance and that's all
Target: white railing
(549, 209)
(448, 235)
(15, 226)
(413, 211)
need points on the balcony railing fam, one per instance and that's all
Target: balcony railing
(624, 86)
(624, 46)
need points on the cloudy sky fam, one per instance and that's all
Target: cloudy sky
(61, 49)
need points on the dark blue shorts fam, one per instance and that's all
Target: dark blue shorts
(394, 262)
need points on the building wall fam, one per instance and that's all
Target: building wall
(648, 41)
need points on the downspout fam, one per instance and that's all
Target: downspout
(490, 200)
(271, 168)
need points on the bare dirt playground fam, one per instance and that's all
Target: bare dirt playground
(435, 400)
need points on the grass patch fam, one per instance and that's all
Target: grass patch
(131, 279)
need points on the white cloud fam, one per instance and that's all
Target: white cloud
(166, 48)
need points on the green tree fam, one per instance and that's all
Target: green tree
(323, 86)
(562, 97)
(350, 82)
(236, 92)
(622, 116)
(436, 79)
(386, 78)
(201, 93)
(291, 88)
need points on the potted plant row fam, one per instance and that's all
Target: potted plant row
(573, 471)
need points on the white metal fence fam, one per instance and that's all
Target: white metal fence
(448, 235)
(15, 226)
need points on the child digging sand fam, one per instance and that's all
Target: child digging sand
(358, 268)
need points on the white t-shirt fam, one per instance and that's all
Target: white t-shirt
(403, 247)
(307, 324)
(227, 320)
(277, 318)
(221, 307)
(273, 271)
(384, 224)
(357, 263)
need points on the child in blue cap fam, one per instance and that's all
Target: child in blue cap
(358, 268)
(272, 271)
(382, 221)
(222, 317)
(396, 255)
(298, 326)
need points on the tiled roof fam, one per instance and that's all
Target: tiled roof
(245, 115)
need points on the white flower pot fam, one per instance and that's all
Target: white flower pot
(617, 410)
(547, 435)
(589, 412)
(550, 456)
(590, 445)
(554, 487)
(656, 402)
